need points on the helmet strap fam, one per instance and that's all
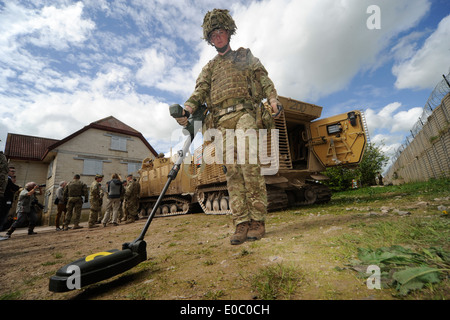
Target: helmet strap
(223, 49)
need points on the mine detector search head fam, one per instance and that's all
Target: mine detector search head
(103, 265)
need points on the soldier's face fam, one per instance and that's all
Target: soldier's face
(219, 38)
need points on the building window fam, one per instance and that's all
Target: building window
(133, 167)
(92, 167)
(118, 143)
(50, 170)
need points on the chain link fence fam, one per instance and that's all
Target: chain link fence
(425, 153)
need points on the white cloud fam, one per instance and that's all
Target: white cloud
(83, 72)
(389, 126)
(314, 48)
(50, 27)
(154, 67)
(423, 69)
(390, 119)
(59, 114)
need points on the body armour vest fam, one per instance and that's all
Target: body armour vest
(75, 188)
(229, 79)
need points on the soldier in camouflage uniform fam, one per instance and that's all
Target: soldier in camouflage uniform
(122, 216)
(232, 85)
(131, 199)
(73, 194)
(100, 213)
(3, 174)
(4, 169)
(95, 198)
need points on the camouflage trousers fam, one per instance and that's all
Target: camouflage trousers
(246, 186)
(3, 183)
(130, 208)
(74, 205)
(95, 212)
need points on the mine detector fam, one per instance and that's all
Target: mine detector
(306, 147)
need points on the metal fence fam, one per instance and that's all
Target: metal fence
(425, 153)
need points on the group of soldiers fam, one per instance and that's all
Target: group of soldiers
(122, 201)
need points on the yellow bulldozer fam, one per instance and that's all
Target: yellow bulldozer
(306, 146)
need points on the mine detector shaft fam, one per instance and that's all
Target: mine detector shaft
(306, 147)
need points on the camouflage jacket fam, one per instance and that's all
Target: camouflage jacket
(76, 188)
(95, 192)
(132, 191)
(236, 77)
(3, 173)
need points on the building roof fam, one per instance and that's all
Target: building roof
(110, 123)
(24, 147)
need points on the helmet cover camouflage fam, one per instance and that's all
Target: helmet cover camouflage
(218, 19)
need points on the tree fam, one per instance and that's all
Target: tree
(371, 165)
(366, 172)
(340, 178)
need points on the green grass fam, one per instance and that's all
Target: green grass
(422, 230)
(429, 189)
(424, 227)
(412, 231)
(11, 296)
(276, 282)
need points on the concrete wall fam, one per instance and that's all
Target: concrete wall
(428, 153)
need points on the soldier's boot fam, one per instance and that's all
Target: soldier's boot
(10, 231)
(77, 227)
(65, 227)
(240, 235)
(130, 219)
(92, 226)
(256, 231)
(31, 231)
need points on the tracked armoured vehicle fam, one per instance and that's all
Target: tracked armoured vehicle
(306, 147)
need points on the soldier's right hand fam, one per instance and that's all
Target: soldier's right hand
(183, 121)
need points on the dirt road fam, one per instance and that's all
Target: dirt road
(190, 257)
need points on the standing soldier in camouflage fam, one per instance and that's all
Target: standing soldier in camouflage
(95, 198)
(122, 216)
(4, 170)
(3, 174)
(73, 194)
(131, 200)
(232, 85)
(100, 213)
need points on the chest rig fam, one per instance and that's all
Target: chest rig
(230, 79)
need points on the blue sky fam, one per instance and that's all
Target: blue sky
(65, 64)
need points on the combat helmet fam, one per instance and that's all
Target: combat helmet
(218, 19)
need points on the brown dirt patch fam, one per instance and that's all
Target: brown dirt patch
(189, 257)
